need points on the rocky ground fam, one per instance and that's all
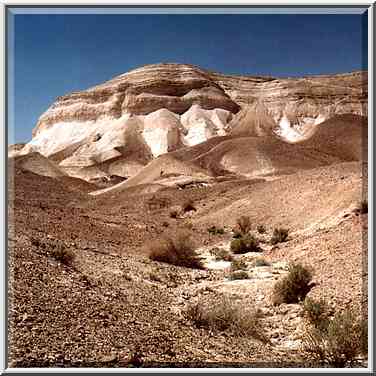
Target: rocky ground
(113, 307)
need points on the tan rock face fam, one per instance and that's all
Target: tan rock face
(124, 123)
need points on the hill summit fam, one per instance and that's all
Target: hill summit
(119, 126)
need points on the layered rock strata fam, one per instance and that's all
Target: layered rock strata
(119, 126)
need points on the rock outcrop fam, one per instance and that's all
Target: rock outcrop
(116, 128)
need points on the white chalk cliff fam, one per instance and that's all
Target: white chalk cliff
(116, 128)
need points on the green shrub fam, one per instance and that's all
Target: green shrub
(213, 230)
(280, 235)
(177, 250)
(247, 243)
(223, 314)
(316, 312)
(260, 261)
(261, 229)
(236, 245)
(294, 286)
(238, 264)
(238, 274)
(337, 343)
(244, 224)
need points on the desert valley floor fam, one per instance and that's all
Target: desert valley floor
(115, 300)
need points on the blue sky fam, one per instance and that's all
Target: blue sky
(58, 54)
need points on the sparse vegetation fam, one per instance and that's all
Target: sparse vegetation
(178, 250)
(214, 230)
(223, 314)
(62, 254)
(247, 243)
(316, 312)
(188, 206)
(238, 274)
(221, 254)
(294, 286)
(55, 249)
(260, 261)
(244, 224)
(238, 264)
(261, 229)
(280, 235)
(338, 342)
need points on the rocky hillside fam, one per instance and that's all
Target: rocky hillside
(118, 127)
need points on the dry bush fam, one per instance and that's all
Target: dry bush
(223, 314)
(214, 230)
(260, 261)
(221, 254)
(244, 224)
(294, 286)
(247, 243)
(238, 264)
(280, 235)
(62, 254)
(177, 250)
(337, 343)
(316, 312)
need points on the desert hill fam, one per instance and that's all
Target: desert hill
(118, 127)
(36, 163)
(340, 139)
